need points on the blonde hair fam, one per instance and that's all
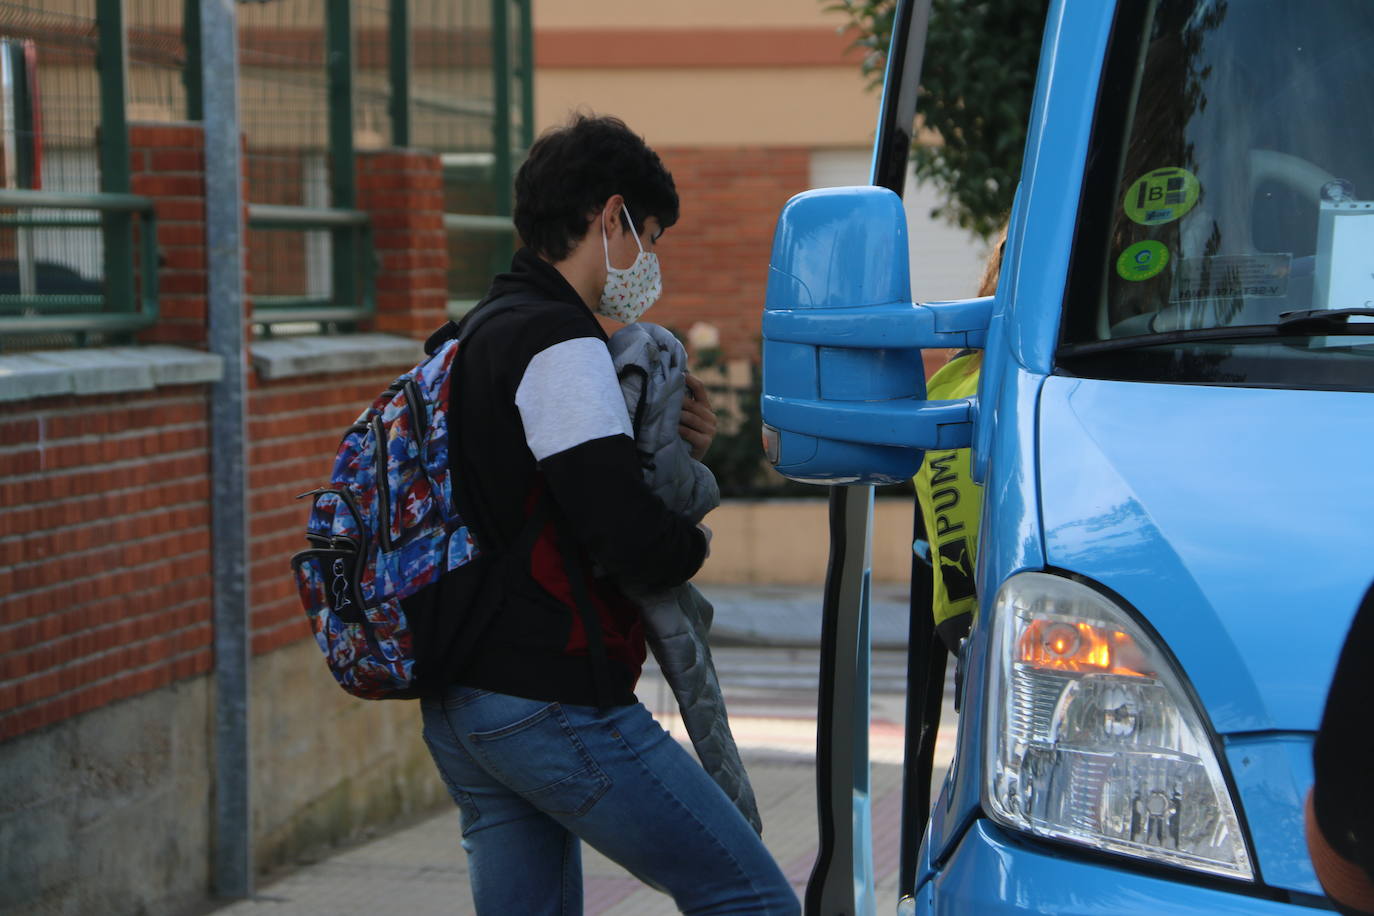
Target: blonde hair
(987, 283)
(992, 269)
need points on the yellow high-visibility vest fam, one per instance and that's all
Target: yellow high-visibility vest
(952, 504)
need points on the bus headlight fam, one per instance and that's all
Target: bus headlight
(1092, 738)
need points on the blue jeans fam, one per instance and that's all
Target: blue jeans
(531, 778)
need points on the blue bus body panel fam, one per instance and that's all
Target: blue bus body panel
(1026, 314)
(1071, 58)
(1010, 546)
(1009, 531)
(1229, 518)
(989, 874)
(1273, 773)
(959, 800)
(1220, 515)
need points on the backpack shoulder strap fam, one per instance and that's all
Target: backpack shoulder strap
(466, 326)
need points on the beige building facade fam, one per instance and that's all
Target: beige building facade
(749, 103)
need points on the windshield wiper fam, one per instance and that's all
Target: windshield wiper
(1163, 338)
(1325, 321)
(1306, 323)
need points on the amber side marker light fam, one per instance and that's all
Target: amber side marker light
(770, 444)
(1058, 645)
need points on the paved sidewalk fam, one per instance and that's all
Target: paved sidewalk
(790, 615)
(768, 670)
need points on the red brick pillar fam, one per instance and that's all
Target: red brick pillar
(403, 190)
(168, 165)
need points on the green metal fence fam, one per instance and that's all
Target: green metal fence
(352, 235)
(472, 99)
(160, 35)
(58, 304)
(306, 242)
(319, 79)
(72, 269)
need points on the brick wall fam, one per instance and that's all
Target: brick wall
(105, 588)
(104, 544)
(167, 163)
(403, 193)
(106, 591)
(715, 260)
(104, 551)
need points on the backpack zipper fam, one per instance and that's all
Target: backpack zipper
(360, 552)
(415, 400)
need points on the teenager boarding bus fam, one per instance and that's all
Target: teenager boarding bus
(1173, 433)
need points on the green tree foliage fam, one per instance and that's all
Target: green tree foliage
(976, 86)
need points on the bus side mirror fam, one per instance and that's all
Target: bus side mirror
(843, 381)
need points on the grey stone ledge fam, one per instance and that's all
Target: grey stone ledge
(286, 357)
(104, 370)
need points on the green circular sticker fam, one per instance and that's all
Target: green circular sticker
(1142, 261)
(1162, 196)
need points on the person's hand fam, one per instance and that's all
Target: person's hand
(698, 422)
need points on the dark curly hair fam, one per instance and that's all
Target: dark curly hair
(572, 170)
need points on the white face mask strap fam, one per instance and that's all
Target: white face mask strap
(605, 243)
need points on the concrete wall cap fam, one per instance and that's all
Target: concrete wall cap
(287, 357)
(104, 370)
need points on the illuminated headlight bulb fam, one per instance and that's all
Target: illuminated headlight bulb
(1060, 641)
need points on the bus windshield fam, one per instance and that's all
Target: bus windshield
(1227, 227)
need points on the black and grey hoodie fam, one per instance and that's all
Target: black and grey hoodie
(538, 410)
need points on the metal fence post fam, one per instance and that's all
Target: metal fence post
(346, 247)
(501, 120)
(232, 861)
(398, 62)
(502, 173)
(191, 71)
(526, 74)
(114, 154)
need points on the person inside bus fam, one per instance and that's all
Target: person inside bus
(948, 498)
(542, 742)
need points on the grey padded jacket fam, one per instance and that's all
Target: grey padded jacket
(652, 367)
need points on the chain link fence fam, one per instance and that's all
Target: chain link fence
(472, 101)
(451, 76)
(50, 259)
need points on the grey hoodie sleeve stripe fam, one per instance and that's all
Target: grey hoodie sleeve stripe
(568, 396)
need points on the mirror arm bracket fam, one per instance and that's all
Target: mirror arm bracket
(960, 324)
(903, 424)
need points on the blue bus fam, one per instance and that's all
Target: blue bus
(1173, 427)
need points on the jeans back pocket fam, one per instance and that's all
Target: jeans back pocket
(542, 758)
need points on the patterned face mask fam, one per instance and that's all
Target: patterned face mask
(629, 292)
